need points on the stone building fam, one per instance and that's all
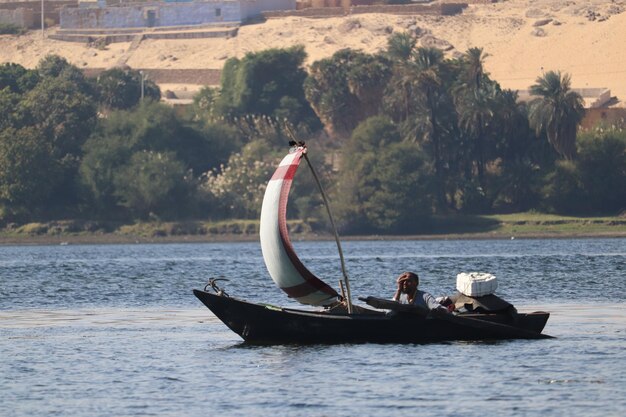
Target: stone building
(167, 14)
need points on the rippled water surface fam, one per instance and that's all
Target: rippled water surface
(113, 330)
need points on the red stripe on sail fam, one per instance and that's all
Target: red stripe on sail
(285, 172)
(297, 291)
(312, 283)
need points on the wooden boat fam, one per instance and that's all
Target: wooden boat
(266, 324)
(338, 321)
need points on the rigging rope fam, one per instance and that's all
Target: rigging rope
(332, 223)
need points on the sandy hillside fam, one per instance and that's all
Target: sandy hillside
(523, 37)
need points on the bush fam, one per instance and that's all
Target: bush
(596, 181)
(383, 186)
(152, 182)
(28, 171)
(153, 128)
(562, 192)
(602, 169)
(18, 79)
(33, 229)
(11, 29)
(122, 88)
(237, 189)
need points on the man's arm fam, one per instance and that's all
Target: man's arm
(433, 304)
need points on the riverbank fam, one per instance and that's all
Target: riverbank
(509, 226)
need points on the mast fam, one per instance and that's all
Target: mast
(332, 223)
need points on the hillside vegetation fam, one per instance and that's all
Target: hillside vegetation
(415, 136)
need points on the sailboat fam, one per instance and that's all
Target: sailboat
(337, 319)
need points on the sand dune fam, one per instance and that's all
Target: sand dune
(522, 37)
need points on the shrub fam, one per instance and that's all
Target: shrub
(237, 189)
(602, 169)
(11, 29)
(562, 192)
(33, 229)
(384, 186)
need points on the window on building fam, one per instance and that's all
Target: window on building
(218, 12)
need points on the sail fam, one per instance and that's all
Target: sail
(281, 260)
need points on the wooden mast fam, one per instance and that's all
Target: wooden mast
(332, 222)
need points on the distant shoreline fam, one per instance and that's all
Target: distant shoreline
(504, 227)
(115, 239)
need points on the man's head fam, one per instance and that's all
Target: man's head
(408, 282)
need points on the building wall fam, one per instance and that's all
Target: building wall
(51, 9)
(253, 8)
(168, 14)
(151, 15)
(18, 17)
(318, 12)
(446, 9)
(610, 116)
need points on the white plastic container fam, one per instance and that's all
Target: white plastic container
(476, 284)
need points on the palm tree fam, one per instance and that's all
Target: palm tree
(474, 71)
(475, 101)
(426, 65)
(400, 46)
(414, 99)
(400, 98)
(557, 111)
(519, 182)
(476, 110)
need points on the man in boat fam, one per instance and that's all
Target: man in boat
(407, 293)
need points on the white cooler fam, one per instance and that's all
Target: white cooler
(476, 284)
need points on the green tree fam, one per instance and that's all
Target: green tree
(347, 88)
(204, 104)
(520, 156)
(595, 182)
(557, 112)
(9, 117)
(433, 103)
(400, 46)
(104, 156)
(63, 113)
(418, 98)
(57, 67)
(153, 128)
(153, 182)
(383, 186)
(121, 88)
(601, 164)
(473, 69)
(63, 110)
(268, 83)
(28, 172)
(17, 78)
(475, 100)
(563, 191)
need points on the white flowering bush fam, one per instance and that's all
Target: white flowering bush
(236, 189)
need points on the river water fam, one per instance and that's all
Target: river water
(114, 330)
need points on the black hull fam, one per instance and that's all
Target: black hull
(260, 324)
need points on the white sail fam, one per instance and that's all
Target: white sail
(283, 264)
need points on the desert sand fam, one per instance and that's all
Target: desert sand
(585, 38)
